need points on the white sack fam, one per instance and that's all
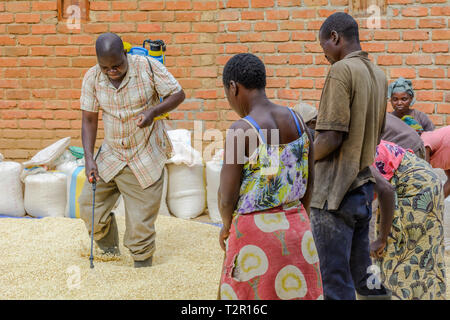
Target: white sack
(11, 189)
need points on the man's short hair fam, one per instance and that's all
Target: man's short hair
(343, 24)
(246, 69)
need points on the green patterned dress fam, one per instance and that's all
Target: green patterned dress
(413, 267)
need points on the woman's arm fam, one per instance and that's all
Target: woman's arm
(230, 181)
(386, 200)
(306, 200)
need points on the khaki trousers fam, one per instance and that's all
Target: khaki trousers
(141, 209)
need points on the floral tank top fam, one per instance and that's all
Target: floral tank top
(274, 175)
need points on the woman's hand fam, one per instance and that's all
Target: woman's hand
(377, 248)
(223, 236)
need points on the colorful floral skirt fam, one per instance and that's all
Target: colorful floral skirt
(271, 255)
(414, 267)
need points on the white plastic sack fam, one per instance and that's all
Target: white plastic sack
(45, 194)
(186, 196)
(48, 155)
(1, 157)
(11, 190)
(119, 207)
(183, 151)
(447, 224)
(213, 169)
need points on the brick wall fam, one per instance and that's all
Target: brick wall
(42, 62)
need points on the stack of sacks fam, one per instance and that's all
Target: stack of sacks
(213, 169)
(11, 190)
(186, 194)
(45, 191)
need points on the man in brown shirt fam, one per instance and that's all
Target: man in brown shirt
(349, 124)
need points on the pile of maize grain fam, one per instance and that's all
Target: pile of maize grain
(49, 259)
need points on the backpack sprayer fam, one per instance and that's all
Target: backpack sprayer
(157, 49)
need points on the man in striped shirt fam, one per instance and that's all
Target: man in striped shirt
(131, 159)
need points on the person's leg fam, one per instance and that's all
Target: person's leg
(105, 226)
(333, 239)
(141, 209)
(360, 204)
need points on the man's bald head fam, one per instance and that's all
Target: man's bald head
(109, 45)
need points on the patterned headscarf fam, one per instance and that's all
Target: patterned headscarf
(401, 85)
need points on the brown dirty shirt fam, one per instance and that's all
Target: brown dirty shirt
(353, 101)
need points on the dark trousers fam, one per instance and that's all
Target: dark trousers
(342, 241)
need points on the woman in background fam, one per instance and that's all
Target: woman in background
(402, 98)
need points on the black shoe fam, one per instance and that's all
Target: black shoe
(143, 263)
(109, 244)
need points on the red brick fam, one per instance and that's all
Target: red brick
(107, 17)
(56, 40)
(82, 39)
(10, 124)
(262, 3)
(67, 51)
(304, 36)
(227, 16)
(422, 84)
(276, 36)
(313, 47)
(434, 47)
(42, 51)
(314, 72)
(389, 60)
(95, 27)
(292, 25)
(315, 3)
(432, 23)
(440, 11)
(205, 27)
(289, 47)
(84, 62)
(16, 51)
(47, 5)
(151, 5)
(288, 94)
(288, 72)
(240, 26)
(276, 83)
(43, 29)
(441, 35)
(277, 15)
(224, 38)
(236, 48)
(18, 29)
(121, 5)
(311, 94)
(300, 59)
(425, 107)
(443, 84)
(303, 14)
(386, 35)
(415, 12)
(265, 26)
(17, 6)
(416, 35)
(204, 5)
(444, 59)
(373, 47)
(135, 16)
(429, 95)
(402, 72)
(400, 47)
(186, 38)
(205, 72)
(419, 60)
(6, 17)
(237, 3)
(164, 16)
(402, 24)
(444, 108)
(178, 5)
(9, 83)
(301, 83)
(431, 73)
(149, 27)
(263, 48)
(27, 18)
(31, 62)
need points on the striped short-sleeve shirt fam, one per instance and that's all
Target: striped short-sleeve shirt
(144, 150)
